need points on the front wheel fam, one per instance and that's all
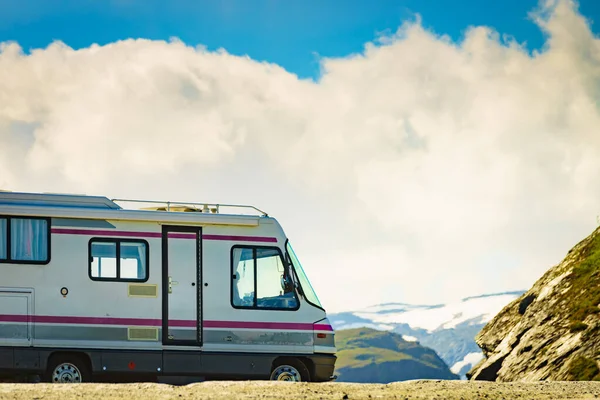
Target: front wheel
(67, 369)
(290, 370)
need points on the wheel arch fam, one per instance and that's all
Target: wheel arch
(58, 354)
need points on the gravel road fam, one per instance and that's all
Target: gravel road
(274, 390)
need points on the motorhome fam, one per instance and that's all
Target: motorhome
(92, 288)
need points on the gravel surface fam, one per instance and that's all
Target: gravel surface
(275, 390)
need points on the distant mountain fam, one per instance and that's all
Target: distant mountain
(552, 332)
(367, 355)
(449, 329)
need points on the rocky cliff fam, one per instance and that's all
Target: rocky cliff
(551, 332)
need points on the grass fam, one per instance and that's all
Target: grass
(360, 357)
(379, 356)
(364, 346)
(584, 369)
(578, 326)
(584, 295)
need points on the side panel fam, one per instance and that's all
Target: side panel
(129, 361)
(95, 314)
(6, 358)
(129, 316)
(27, 359)
(16, 306)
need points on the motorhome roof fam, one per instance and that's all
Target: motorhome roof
(56, 200)
(84, 206)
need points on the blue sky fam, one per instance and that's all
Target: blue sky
(290, 33)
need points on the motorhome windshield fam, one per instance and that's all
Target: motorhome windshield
(309, 292)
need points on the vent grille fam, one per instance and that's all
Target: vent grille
(142, 334)
(142, 290)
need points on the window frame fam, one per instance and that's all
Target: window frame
(232, 274)
(301, 289)
(8, 259)
(117, 242)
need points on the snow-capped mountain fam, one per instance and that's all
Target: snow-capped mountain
(449, 329)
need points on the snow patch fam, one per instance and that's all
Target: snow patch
(354, 325)
(409, 338)
(444, 317)
(401, 307)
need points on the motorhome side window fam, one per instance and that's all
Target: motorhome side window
(118, 260)
(260, 280)
(24, 240)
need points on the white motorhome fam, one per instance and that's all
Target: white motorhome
(91, 288)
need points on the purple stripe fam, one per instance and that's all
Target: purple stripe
(240, 238)
(181, 323)
(63, 231)
(182, 235)
(15, 318)
(158, 235)
(323, 327)
(51, 319)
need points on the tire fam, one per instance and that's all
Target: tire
(68, 369)
(290, 370)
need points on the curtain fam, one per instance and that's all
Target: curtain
(141, 265)
(29, 239)
(243, 286)
(3, 239)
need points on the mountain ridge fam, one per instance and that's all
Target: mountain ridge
(370, 356)
(449, 329)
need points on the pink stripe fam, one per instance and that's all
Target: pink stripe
(14, 318)
(182, 235)
(50, 319)
(158, 235)
(240, 238)
(323, 327)
(181, 323)
(63, 231)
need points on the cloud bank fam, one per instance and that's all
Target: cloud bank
(420, 170)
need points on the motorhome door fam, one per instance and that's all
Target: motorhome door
(182, 285)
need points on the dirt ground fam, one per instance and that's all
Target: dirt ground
(275, 390)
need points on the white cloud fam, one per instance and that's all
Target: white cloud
(470, 359)
(420, 170)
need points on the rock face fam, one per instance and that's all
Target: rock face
(551, 332)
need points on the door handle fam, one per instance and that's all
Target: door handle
(171, 283)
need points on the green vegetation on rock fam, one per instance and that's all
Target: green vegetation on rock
(584, 369)
(368, 355)
(584, 294)
(553, 331)
(578, 326)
